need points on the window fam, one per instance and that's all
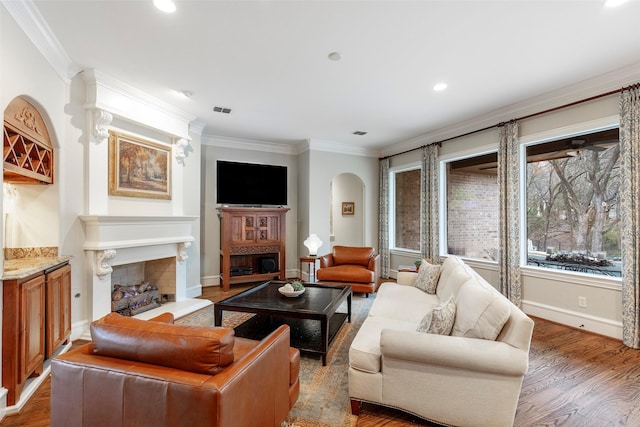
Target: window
(472, 207)
(573, 220)
(404, 187)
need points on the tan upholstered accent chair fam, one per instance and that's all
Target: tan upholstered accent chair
(354, 266)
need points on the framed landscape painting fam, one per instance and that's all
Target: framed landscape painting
(138, 168)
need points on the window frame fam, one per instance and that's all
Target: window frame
(392, 205)
(442, 196)
(571, 131)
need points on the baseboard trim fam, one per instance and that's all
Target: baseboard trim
(598, 325)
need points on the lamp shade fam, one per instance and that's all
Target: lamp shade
(313, 243)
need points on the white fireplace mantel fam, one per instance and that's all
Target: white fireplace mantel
(104, 232)
(112, 240)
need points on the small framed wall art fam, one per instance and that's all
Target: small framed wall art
(348, 208)
(138, 168)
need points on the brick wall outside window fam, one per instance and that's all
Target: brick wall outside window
(472, 215)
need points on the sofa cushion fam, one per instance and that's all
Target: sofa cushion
(346, 273)
(428, 275)
(352, 255)
(399, 302)
(364, 353)
(452, 277)
(481, 310)
(204, 350)
(440, 319)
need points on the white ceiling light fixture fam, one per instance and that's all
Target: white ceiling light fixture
(440, 87)
(614, 3)
(167, 6)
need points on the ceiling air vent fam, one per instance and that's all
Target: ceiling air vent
(222, 110)
(359, 133)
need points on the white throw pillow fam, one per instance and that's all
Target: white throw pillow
(440, 319)
(481, 312)
(428, 275)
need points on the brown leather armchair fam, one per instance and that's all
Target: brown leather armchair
(149, 373)
(355, 266)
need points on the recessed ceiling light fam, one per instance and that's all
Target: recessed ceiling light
(167, 6)
(223, 110)
(335, 56)
(440, 87)
(614, 3)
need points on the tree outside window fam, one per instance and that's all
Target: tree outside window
(573, 188)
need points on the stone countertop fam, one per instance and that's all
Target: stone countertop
(20, 268)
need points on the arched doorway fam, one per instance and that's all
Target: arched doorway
(347, 219)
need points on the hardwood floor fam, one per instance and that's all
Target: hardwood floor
(575, 379)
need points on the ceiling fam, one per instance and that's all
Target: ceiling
(268, 60)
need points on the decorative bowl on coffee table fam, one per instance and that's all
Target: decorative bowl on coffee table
(290, 294)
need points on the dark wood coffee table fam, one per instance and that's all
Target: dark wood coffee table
(312, 316)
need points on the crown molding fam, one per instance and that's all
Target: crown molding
(197, 127)
(582, 90)
(248, 144)
(314, 144)
(28, 17)
(123, 100)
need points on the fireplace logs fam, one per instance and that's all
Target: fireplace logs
(134, 299)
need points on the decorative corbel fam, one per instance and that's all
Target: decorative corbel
(101, 120)
(102, 262)
(182, 251)
(180, 144)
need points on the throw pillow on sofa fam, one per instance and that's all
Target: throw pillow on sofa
(440, 319)
(482, 311)
(427, 278)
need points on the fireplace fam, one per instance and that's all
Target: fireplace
(152, 249)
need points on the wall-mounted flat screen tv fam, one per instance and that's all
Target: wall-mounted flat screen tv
(250, 184)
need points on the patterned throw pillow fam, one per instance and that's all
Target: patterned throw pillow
(440, 319)
(428, 275)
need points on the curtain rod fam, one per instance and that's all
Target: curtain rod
(528, 116)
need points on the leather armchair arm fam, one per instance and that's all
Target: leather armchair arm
(245, 385)
(326, 261)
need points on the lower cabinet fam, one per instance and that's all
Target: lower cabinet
(58, 309)
(36, 320)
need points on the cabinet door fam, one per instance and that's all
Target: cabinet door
(268, 228)
(58, 320)
(32, 295)
(243, 229)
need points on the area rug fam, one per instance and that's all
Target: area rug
(324, 398)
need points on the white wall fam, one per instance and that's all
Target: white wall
(323, 167)
(347, 230)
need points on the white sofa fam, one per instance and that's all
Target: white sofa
(450, 379)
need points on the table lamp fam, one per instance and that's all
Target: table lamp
(313, 243)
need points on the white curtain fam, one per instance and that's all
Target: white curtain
(429, 212)
(630, 213)
(383, 219)
(509, 226)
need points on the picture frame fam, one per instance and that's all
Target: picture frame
(138, 167)
(348, 208)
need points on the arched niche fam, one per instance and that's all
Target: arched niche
(347, 216)
(28, 152)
